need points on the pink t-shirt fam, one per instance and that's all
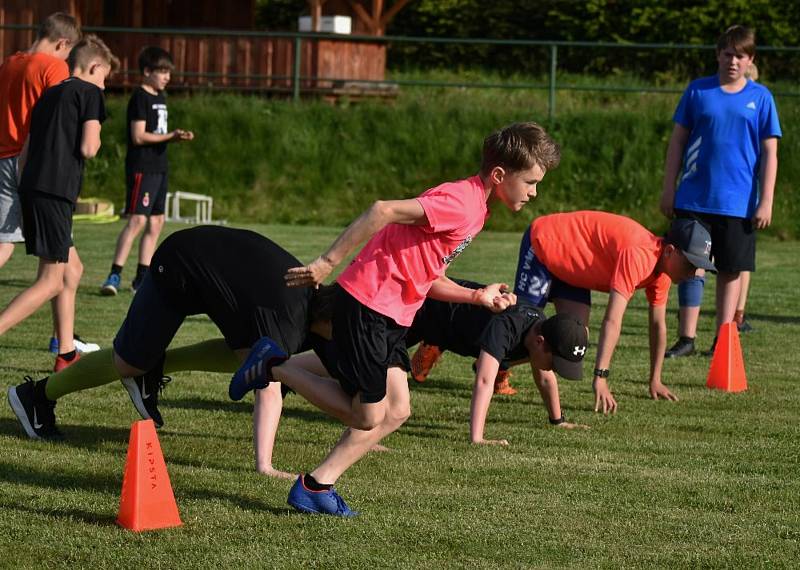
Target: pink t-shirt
(394, 271)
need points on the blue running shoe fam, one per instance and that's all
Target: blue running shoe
(318, 502)
(111, 285)
(256, 372)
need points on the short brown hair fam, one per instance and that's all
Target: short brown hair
(740, 38)
(519, 147)
(59, 26)
(89, 48)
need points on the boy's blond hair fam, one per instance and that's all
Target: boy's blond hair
(89, 48)
(519, 147)
(740, 38)
(59, 26)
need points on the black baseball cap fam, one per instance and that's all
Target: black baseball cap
(568, 342)
(693, 240)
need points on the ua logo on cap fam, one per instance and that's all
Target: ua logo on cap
(708, 247)
(579, 350)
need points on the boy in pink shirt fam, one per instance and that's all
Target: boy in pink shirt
(412, 243)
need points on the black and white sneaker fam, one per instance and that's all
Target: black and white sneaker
(34, 411)
(144, 391)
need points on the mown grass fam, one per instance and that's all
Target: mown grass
(710, 481)
(266, 160)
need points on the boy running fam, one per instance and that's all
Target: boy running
(411, 243)
(24, 76)
(64, 132)
(726, 137)
(564, 257)
(145, 166)
(233, 276)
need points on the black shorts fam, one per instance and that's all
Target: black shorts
(46, 225)
(155, 315)
(149, 327)
(733, 240)
(367, 345)
(146, 193)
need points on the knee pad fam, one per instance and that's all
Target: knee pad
(690, 292)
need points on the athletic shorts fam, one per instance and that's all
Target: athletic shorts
(367, 344)
(733, 240)
(47, 225)
(146, 193)
(535, 283)
(10, 210)
(154, 318)
(148, 328)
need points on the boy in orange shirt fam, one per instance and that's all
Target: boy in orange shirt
(24, 76)
(563, 257)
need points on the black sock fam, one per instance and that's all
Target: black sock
(141, 270)
(116, 269)
(687, 338)
(312, 483)
(69, 356)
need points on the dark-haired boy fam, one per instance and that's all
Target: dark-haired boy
(411, 243)
(726, 137)
(564, 257)
(146, 166)
(64, 132)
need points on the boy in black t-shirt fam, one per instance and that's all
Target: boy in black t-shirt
(145, 166)
(233, 276)
(64, 132)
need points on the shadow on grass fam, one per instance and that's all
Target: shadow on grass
(87, 517)
(28, 475)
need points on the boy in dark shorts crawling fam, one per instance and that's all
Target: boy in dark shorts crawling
(233, 276)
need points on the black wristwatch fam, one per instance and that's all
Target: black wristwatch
(602, 372)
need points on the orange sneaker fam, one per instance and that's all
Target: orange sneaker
(62, 363)
(501, 384)
(423, 361)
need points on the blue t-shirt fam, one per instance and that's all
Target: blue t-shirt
(722, 156)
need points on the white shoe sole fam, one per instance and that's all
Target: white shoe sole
(136, 397)
(108, 290)
(19, 411)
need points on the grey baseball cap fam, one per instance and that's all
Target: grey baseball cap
(568, 342)
(693, 240)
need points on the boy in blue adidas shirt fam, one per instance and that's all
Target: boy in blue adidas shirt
(725, 139)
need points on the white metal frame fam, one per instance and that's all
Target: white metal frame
(202, 207)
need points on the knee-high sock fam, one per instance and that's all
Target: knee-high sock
(209, 356)
(92, 370)
(97, 368)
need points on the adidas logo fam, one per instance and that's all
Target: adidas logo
(751, 105)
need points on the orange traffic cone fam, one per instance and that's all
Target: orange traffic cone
(147, 502)
(727, 365)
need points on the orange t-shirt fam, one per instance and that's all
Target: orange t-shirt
(601, 251)
(23, 78)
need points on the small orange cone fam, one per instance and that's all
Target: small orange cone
(727, 364)
(147, 502)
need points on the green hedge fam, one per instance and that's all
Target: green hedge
(313, 163)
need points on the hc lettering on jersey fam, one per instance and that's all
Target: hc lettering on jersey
(457, 251)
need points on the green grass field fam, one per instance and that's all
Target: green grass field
(710, 481)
